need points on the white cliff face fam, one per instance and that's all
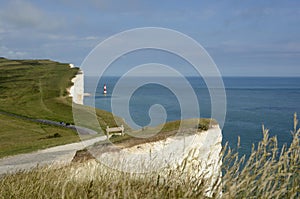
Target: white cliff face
(195, 156)
(77, 90)
(192, 156)
(203, 147)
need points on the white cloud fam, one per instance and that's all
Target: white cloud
(116, 5)
(259, 49)
(22, 14)
(60, 37)
(91, 38)
(8, 53)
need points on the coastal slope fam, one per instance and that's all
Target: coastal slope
(34, 96)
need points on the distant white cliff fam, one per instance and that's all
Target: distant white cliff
(77, 90)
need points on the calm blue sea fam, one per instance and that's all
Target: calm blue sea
(251, 102)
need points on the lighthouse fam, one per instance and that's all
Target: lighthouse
(104, 89)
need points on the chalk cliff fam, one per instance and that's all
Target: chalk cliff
(202, 146)
(77, 90)
(195, 155)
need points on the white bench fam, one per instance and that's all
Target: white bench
(115, 130)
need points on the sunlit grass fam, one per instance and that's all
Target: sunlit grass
(38, 89)
(22, 136)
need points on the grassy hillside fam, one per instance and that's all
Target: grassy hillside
(22, 136)
(37, 89)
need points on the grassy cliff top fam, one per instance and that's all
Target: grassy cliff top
(163, 131)
(147, 135)
(36, 88)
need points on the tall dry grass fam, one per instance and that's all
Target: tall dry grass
(269, 172)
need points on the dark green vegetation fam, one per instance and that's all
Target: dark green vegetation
(269, 172)
(37, 89)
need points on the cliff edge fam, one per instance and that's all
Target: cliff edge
(77, 90)
(194, 154)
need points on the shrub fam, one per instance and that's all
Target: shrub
(55, 135)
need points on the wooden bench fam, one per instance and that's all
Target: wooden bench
(115, 130)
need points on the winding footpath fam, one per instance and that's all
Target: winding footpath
(53, 155)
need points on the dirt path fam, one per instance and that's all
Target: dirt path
(58, 154)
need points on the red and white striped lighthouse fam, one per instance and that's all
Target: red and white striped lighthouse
(104, 89)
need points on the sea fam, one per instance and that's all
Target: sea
(251, 102)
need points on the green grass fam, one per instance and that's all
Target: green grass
(269, 172)
(38, 89)
(34, 89)
(22, 136)
(153, 134)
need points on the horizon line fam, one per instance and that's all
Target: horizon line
(226, 76)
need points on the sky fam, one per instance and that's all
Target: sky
(244, 38)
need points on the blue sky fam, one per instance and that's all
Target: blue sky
(244, 38)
